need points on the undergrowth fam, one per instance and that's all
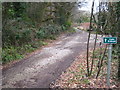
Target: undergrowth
(11, 53)
(18, 40)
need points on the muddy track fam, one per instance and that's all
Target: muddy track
(39, 70)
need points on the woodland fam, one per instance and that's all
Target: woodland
(27, 25)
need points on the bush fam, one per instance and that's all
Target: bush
(13, 53)
(9, 54)
(68, 24)
(16, 33)
(48, 32)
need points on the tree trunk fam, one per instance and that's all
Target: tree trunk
(88, 73)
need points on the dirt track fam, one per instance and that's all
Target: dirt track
(39, 70)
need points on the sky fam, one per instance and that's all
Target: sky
(88, 5)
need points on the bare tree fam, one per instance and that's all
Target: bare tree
(90, 29)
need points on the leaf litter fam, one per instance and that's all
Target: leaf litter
(76, 76)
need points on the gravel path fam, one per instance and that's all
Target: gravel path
(39, 70)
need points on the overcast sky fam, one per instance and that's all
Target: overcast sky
(88, 5)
